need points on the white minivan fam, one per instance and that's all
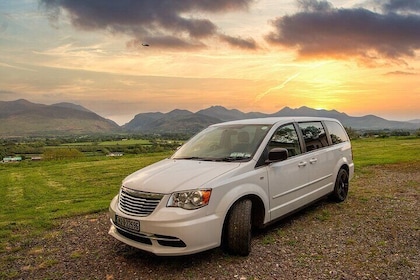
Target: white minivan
(229, 178)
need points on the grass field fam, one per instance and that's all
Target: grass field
(113, 143)
(373, 151)
(35, 194)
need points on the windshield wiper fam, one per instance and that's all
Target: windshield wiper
(195, 158)
(230, 159)
(226, 159)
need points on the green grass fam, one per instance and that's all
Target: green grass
(113, 143)
(374, 151)
(35, 194)
(126, 142)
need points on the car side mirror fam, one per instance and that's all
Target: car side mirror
(277, 154)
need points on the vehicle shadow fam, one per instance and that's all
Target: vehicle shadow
(288, 221)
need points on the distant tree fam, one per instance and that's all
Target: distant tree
(3, 152)
(400, 133)
(353, 134)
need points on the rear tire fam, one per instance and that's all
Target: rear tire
(238, 228)
(341, 187)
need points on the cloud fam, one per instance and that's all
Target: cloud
(411, 6)
(278, 87)
(319, 30)
(400, 73)
(168, 24)
(239, 42)
(2, 64)
(6, 92)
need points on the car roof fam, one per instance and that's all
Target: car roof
(274, 120)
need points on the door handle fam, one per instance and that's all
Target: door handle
(302, 163)
(313, 160)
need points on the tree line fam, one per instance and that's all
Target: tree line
(56, 148)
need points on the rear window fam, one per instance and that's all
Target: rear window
(337, 132)
(314, 135)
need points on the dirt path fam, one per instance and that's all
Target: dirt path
(373, 235)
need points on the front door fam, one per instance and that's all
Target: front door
(287, 179)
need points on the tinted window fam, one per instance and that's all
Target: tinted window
(337, 132)
(286, 137)
(314, 135)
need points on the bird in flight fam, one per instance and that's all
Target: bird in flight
(145, 45)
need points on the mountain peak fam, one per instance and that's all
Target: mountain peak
(179, 112)
(222, 113)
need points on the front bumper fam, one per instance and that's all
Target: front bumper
(169, 231)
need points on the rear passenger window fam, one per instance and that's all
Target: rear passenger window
(314, 135)
(286, 137)
(337, 132)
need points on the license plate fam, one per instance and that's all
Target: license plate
(129, 224)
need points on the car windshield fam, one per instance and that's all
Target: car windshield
(224, 143)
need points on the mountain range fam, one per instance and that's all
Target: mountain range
(24, 118)
(182, 120)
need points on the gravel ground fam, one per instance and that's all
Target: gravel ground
(374, 234)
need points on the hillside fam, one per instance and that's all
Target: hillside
(24, 118)
(176, 121)
(186, 121)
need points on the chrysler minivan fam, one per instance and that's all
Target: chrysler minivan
(229, 178)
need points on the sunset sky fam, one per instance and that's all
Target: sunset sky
(359, 57)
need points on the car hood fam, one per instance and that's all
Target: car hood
(171, 175)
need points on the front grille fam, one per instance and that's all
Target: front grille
(138, 203)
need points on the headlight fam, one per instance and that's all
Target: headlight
(190, 200)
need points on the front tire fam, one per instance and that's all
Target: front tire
(341, 187)
(238, 228)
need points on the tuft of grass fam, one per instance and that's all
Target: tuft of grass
(48, 263)
(281, 232)
(76, 254)
(323, 216)
(268, 239)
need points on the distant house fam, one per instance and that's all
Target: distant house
(116, 154)
(12, 159)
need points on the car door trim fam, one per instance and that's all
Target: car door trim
(302, 186)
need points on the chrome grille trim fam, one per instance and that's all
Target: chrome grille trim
(138, 203)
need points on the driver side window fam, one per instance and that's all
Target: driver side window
(286, 137)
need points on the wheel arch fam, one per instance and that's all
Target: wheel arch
(345, 166)
(258, 213)
(341, 164)
(255, 193)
